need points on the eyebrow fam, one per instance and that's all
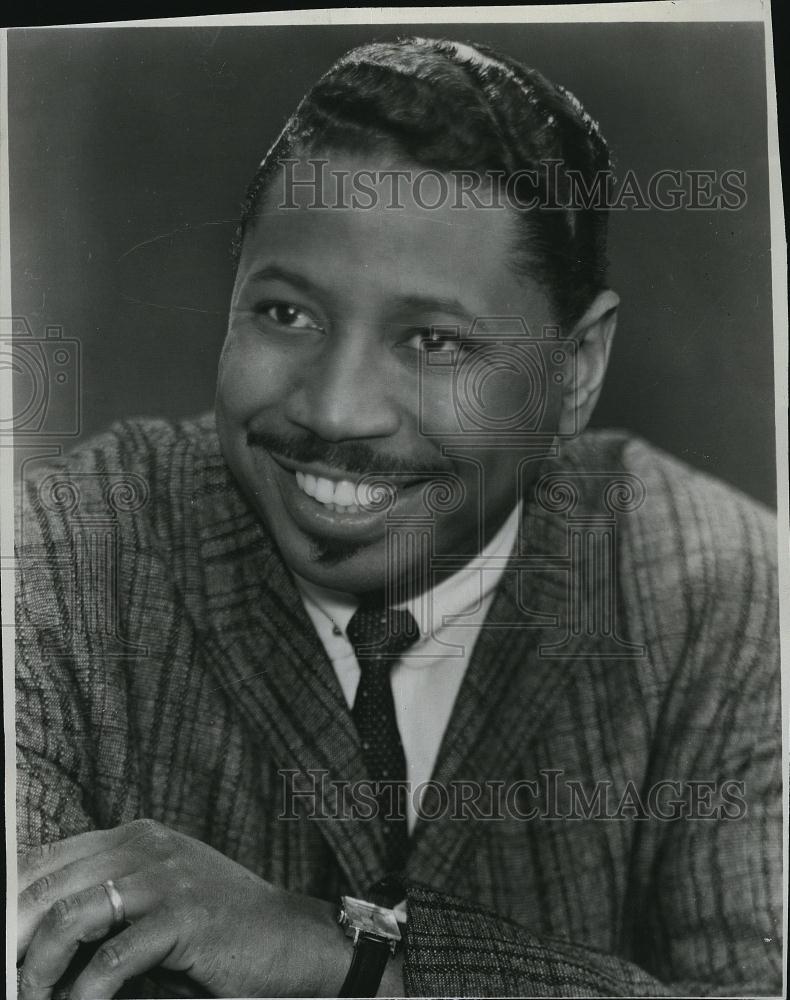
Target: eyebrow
(436, 303)
(273, 272)
(425, 303)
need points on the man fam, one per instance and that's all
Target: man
(392, 629)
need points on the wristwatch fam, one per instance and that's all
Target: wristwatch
(376, 937)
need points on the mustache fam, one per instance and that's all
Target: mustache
(356, 457)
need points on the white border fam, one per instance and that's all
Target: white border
(7, 534)
(658, 11)
(780, 315)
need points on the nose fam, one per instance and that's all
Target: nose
(344, 393)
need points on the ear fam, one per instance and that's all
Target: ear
(593, 334)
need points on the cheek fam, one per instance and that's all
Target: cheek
(506, 395)
(496, 402)
(250, 377)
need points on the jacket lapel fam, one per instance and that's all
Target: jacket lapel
(528, 650)
(270, 662)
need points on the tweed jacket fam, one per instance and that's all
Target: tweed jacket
(166, 668)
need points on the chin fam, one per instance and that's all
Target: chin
(339, 566)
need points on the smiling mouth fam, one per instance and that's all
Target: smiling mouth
(341, 495)
(347, 497)
(371, 494)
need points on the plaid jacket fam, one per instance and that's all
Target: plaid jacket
(166, 668)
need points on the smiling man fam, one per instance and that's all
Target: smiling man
(387, 637)
(326, 393)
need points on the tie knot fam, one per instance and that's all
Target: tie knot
(380, 633)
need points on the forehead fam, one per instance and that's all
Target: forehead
(422, 240)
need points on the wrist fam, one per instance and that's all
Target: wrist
(376, 933)
(392, 980)
(333, 952)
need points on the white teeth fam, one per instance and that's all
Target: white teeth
(337, 496)
(344, 494)
(324, 491)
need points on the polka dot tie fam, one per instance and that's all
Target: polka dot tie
(380, 635)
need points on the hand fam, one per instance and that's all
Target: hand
(190, 909)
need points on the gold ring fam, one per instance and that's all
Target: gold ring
(116, 901)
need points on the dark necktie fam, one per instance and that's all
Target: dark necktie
(380, 635)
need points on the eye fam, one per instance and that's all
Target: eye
(440, 339)
(289, 316)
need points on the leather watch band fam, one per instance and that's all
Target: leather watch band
(367, 967)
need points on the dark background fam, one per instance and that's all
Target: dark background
(131, 148)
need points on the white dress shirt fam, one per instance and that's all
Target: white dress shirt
(426, 680)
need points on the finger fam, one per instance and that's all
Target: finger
(84, 916)
(47, 858)
(133, 952)
(42, 894)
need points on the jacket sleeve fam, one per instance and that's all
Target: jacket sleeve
(705, 921)
(454, 948)
(57, 639)
(54, 775)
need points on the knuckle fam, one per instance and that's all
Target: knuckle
(154, 835)
(61, 914)
(214, 974)
(109, 956)
(191, 917)
(26, 980)
(40, 891)
(200, 916)
(28, 985)
(143, 826)
(184, 884)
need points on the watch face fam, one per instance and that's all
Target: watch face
(368, 918)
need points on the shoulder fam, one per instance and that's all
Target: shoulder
(678, 511)
(139, 468)
(140, 446)
(690, 516)
(697, 557)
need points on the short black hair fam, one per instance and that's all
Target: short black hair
(462, 107)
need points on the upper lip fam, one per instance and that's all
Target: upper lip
(338, 476)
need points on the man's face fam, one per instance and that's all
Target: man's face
(325, 379)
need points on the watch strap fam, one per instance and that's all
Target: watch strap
(367, 967)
